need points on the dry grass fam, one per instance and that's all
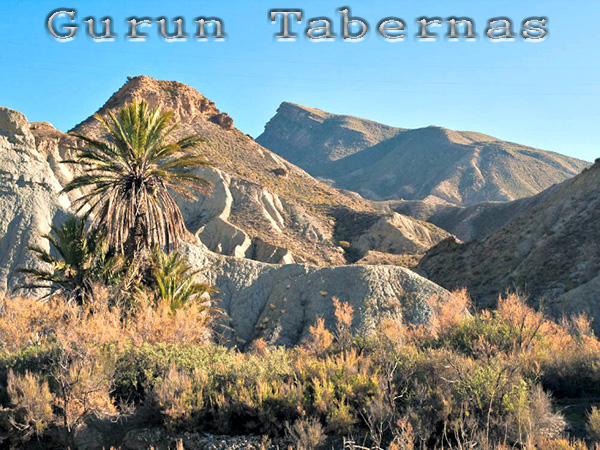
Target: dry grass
(468, 378)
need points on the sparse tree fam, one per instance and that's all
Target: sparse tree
(127, 179)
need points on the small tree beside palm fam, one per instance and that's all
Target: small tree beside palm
(173, 281)
(75, 261)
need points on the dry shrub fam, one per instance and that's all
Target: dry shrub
(83, 377)
(344, 315)
(26, 322)
(340, 418)
(306, 434)
(580, 326)
(562, 444)
(449, 311)
(320, 339)
(593, 425)
(94, 325)
(538, 421)
(260, 347)
(528, 323)
(175, 397)
(186, 325)
(391, 333)
(378, 414)
(31, 402)
(572, 359)
(404, 435)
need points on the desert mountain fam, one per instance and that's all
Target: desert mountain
(312, 138)
(550, 251)
(262, 207)
(385, 163)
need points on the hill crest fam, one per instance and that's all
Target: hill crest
(389, 163)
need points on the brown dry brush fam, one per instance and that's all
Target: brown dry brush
(482, 379)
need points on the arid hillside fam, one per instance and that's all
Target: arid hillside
(472, 221)
(273, 240)
(385, 163)
(550, 252)
(262, 207)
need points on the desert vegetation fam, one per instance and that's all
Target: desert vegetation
(466, 380)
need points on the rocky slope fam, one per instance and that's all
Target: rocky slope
(262, 207)
(279, 302)
(383, 163)
(550, 252)
(312, 138)
(474, 221)
(29, 198)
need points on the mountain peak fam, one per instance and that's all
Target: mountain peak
(382, 162)
(312, 138)
(287, 107)
(187, 103)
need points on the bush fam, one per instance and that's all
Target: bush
(593, 425)
(462, 380)
(306, 434)
(31, 404)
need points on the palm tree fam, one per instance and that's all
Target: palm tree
(76, 262)
(126, 179)
(174, 281)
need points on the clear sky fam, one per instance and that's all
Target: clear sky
(543, 94)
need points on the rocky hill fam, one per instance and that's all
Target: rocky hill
(550, 252)
(385, 163)
(311, 138)
(29, 197)
(262, 207)
(473, 221)
(278, 303)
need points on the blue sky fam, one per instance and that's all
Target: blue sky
(543, 94)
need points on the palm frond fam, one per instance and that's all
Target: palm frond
(127, 179)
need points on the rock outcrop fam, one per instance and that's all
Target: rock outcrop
(29, 198)
(387, 163)
(279, 302)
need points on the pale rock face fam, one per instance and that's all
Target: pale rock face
(56, 147)
(397, 234)
(210, 218)
(30, 197)
(279, 302)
